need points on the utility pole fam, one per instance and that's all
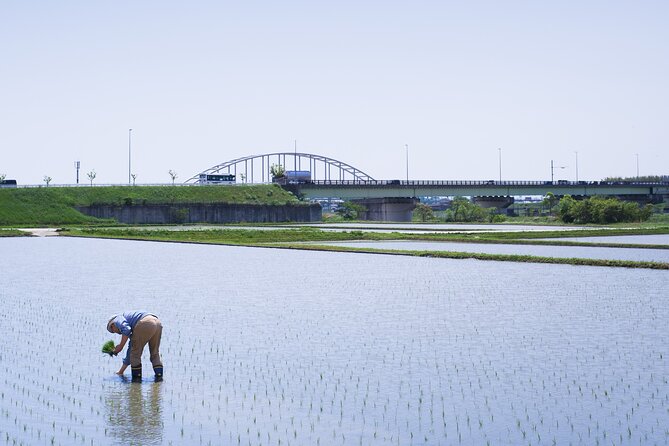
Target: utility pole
(77, 164)
(637, 166)
(500, 163)
(576, 166)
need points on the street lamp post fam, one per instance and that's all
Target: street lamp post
(637, 166)
(129, 155)
(553, 167)
(499, 149)
(406, 146)
(576, 166)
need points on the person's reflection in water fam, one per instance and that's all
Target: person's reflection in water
(135, 413)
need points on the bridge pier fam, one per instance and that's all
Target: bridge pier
(493, 202)
(387, 209)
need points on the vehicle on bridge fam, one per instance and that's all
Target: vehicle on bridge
(294, 177)
(217, 179)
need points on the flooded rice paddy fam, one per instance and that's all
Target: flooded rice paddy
(450, 227)
(583, 252)
(281, 347)
(659, 239)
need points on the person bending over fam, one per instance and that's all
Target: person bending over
(140, 328)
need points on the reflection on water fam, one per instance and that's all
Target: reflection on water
(582, 252)
(134, 412)
(269, 347)
(655, 239)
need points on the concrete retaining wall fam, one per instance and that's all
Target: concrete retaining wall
(204, 213)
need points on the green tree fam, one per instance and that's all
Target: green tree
(601, 210)
(349, 210)
(463, 210)
(277, 171)
(566, 208)
(643, 178)
(424, 212)
(550, 200)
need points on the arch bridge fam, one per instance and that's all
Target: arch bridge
(257, 168)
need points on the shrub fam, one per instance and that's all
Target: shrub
(424, 212)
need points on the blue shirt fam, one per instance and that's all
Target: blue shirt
(126, 324)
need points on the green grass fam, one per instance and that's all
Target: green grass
(12, 233)
(249, 237)
(296, 238)
(312, 234)
(56, 205)
(495, 257)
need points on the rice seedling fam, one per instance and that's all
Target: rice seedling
(108, 348)
(430, 357)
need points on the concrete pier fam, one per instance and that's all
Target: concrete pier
(493, 202)
(387, 209)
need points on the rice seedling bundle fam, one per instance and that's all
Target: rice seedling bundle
(108, 348)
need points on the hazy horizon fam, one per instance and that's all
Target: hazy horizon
(206, 82)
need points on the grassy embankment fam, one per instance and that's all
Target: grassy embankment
(296, 238)
(56, 205)
(11, 233)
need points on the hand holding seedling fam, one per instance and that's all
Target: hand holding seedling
(108, 348)
(119, 347)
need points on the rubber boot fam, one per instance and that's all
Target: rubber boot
(158, 370)
(136, 373)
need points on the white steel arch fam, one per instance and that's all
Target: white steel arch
(256, 168)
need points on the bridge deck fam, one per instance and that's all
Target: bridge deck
(423, 188)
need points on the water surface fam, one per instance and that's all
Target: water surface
(263, 346)
(581, 252)
(655, 239)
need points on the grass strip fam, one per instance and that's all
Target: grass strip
(12, 233)
(311, 234)
(599, 232)
(483, 256)
(295, 238)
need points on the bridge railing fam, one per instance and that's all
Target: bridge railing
(86, 185)
(386, 183)
(491, 183)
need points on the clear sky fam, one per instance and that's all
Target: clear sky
(203, 82)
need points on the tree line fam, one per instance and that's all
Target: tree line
(596, 209)
(601, 210)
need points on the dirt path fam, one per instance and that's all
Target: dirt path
(41, 232)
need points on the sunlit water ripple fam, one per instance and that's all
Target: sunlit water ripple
(264, 345)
